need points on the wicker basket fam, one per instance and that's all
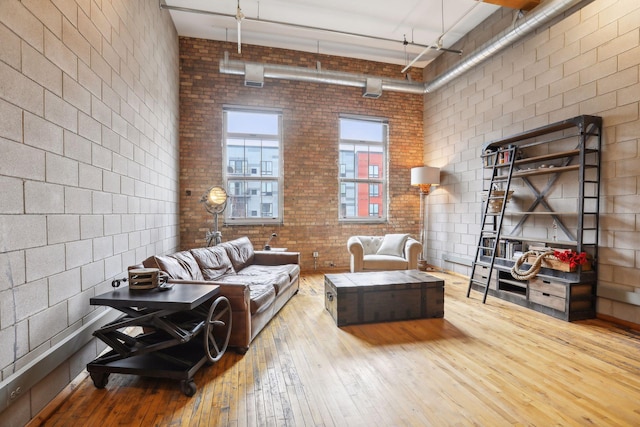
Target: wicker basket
(495, 204)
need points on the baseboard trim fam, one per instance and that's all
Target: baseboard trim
(21, 381)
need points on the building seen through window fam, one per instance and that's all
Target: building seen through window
(253, 175)
(363, 171)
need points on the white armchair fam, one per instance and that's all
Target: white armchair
(380, 253)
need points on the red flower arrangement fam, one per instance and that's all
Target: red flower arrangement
(572, 258)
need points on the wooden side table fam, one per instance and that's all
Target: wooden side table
(174, 318)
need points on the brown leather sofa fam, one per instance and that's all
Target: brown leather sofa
(257, 283)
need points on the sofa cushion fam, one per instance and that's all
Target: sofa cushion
(240, 252)
(213, 262)
(262, 293)
(180, 265)
(262, 297)
(291, 271)
(393, 244)
(383, 262)
(278, 278)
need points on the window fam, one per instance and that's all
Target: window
(252, 148)
(267, 168)
(363, 169)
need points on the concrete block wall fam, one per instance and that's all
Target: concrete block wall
(310, 157)
(88, 168)
(588, 63)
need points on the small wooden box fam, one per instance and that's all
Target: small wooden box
(384, 296)
(556, 264)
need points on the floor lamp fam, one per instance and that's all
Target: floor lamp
(424, 177)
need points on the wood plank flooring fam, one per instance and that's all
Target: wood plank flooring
(483, 365)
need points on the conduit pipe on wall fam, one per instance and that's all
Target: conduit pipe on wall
(543, 15)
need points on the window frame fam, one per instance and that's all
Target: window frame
(275, 178)
(381, 180)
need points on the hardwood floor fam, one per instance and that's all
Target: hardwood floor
(490, 365)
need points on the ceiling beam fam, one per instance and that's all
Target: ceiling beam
(514, 4)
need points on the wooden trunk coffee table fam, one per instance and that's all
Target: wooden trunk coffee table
(383, 296)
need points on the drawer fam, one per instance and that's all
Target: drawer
(483, 272)
(548, 287)
(548, 300)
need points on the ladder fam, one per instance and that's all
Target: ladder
(491, 226)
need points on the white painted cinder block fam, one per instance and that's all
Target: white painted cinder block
(11, 196)
(79, 307)
(46, 324)
(21, 90)
(61, 170)
(110, 182)
(120, 204)
(89, 127)
(40, 198)
(43, 134)
(92, 274)
(60, 112)
(64, 285)
(77, 147)
(22, 231)
(77, 200)
(90, 177)
(91, 226)
(31, 298)
(78, 253)
(63, 228)
(44, 261)
(120, 243)
(113, 267)
(102, 247)
(41, 70)
(102, 203)
(112, 224)
(11, 123)
(21, 161)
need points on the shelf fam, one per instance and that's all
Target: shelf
(541, 158)
(575, 122)
(567, 147)
(534, 239)
(514, 283)
(539, 171)
(513, 213)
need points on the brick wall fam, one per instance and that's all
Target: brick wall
(310, 114)
(589, 63)
(88, 169)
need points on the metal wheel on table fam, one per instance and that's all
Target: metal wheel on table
(217, 329)
(188, 387)
(100, 379)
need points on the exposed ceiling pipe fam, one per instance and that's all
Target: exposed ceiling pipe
(541, 16)
(312, 75)
(537, 18)
(164, 5)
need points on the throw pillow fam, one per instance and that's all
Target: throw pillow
(393, 244)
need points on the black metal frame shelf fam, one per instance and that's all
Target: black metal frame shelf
(567, 147)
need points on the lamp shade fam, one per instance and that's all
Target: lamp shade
(425, 175)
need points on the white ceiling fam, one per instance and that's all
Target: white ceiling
(383, 23)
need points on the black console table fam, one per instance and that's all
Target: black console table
(171, 318)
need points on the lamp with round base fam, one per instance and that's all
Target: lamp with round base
(424, 177)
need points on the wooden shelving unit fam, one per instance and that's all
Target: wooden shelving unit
(553, 173)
